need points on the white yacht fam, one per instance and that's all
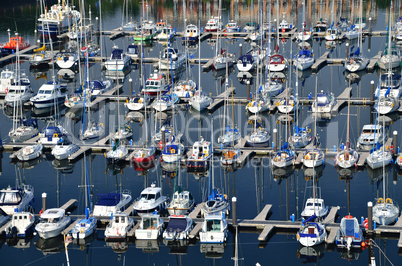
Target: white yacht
(214, 229)
(26, 130)
(84, 228)
(313, 157)
(315, 206)
(52, 222)
(21, 224)
(52, 135)
(171, 59)
(7, 77)
(49, 94)
(200, 155)
(301, 137)
(118, 153)
(67, 60)
(379, 158)
(94, 130)
(200, 101)
(19, 92)
(311, 234)
(231, 137)
(12, 199)
(178, 228)
(370, 135)
(111, 203)
(137, 103)
(64, 149)
(191, 34)
(119, 227)
(185, 89)
(118, 60)
(151, 199)
(173, 151)
(151, 227)
(323, 103)
(385, 211)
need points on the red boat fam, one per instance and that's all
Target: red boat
(144, 155)
(11, 45)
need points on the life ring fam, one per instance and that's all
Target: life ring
(82, 247)
(283, 62)
(349, 216)
(173, 174)
(82, 230)
(307, 157)
(143, 155)
(140, 100)
(365, 223)
(6, 90)
(380, 200)
(388, 200)
(307, 178)
(172, 151)
(40, 213)
(55, 135)
(101, 124)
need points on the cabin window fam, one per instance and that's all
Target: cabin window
(175, 196)
(116, 220)
(158, 195)
(150, 223)
(213, 225)
(10, 198)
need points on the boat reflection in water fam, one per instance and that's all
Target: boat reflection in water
(282, 173)
(213, 251)
(377, 174)
(29, 164)
(85, 242)
(311, 254)
(148, 246)
(119, 247)
(178, 247)
(21, 243)
(316, 172)
(352, 254)
(64, 166)
(51, 245)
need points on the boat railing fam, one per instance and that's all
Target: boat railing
(28, 188)
(126, 191)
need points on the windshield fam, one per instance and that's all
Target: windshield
(150, 223)
(10, 198)
(147, 196)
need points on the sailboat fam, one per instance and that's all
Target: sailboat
(304, 34)
(391, 58)
(385, 211)
(86, 226)
(347, 157)
(200, 101)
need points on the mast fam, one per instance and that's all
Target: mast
(348, 125)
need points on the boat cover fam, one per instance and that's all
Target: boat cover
(177, 224)
(109, 199)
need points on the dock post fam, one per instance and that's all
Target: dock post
(371, 100)
(248, 90)
(97, 23)
(240, 49)
(275, 139)
(394, 142)
(36, 35)
(163, 138)
(394, 177)
(131, 86)
(370, 218)
(369, 35)
(347, 50)
(44, 204)
(234, 211)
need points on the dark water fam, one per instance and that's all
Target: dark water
(254, 185)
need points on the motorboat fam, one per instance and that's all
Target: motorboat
(111, 203)
(230, 157)
(26, 130)
(315, 206)
(323, 103)
(313, 157)
(287, 104)
(216, 203)
(30, 152)
(21, 224)
(132, 50)
(156, 84)
(379, 158)
(67, 59)
(52, 222)
(304, 60)
(213, 25)
(84, 227)
(178, 228)
(49, 94)
(301, 137)
(200, 156)
(347, 158)
(144, 155)
(232, 26)
(214, 229)
(185, 89)
(311, 233)
(371, 135)
(58, 19)
(16, 199)
(118, 153)
(7, 77)
(64, 149)
(165, 34)
(151, 199)
(200, 101)
(118, 228)
(258, 138)
(349, 234)
(151, 227)
(52, 135)
(251, 27)
(385, 212)
(191, 33)
(182, 202)
(97, 87)
(19, 92)
(94, 130)
(277, 62)
(165, 102)
(147, 32)
(284, 26)
(321, 25)
(118, 60)
(284, 158)
(171, 59)
(173, 151)
(333, 34)
(231, 137)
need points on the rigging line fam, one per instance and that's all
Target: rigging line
(383, 253)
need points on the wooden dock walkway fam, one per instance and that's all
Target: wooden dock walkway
(104, 96)
(219, 100)
(5, 59)
(196, 212)
(71, 204)
(331, 215)
(320, 62)
(373, 61)
(131, 233)
(69, 228)
(83, 149)
(341, 100)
